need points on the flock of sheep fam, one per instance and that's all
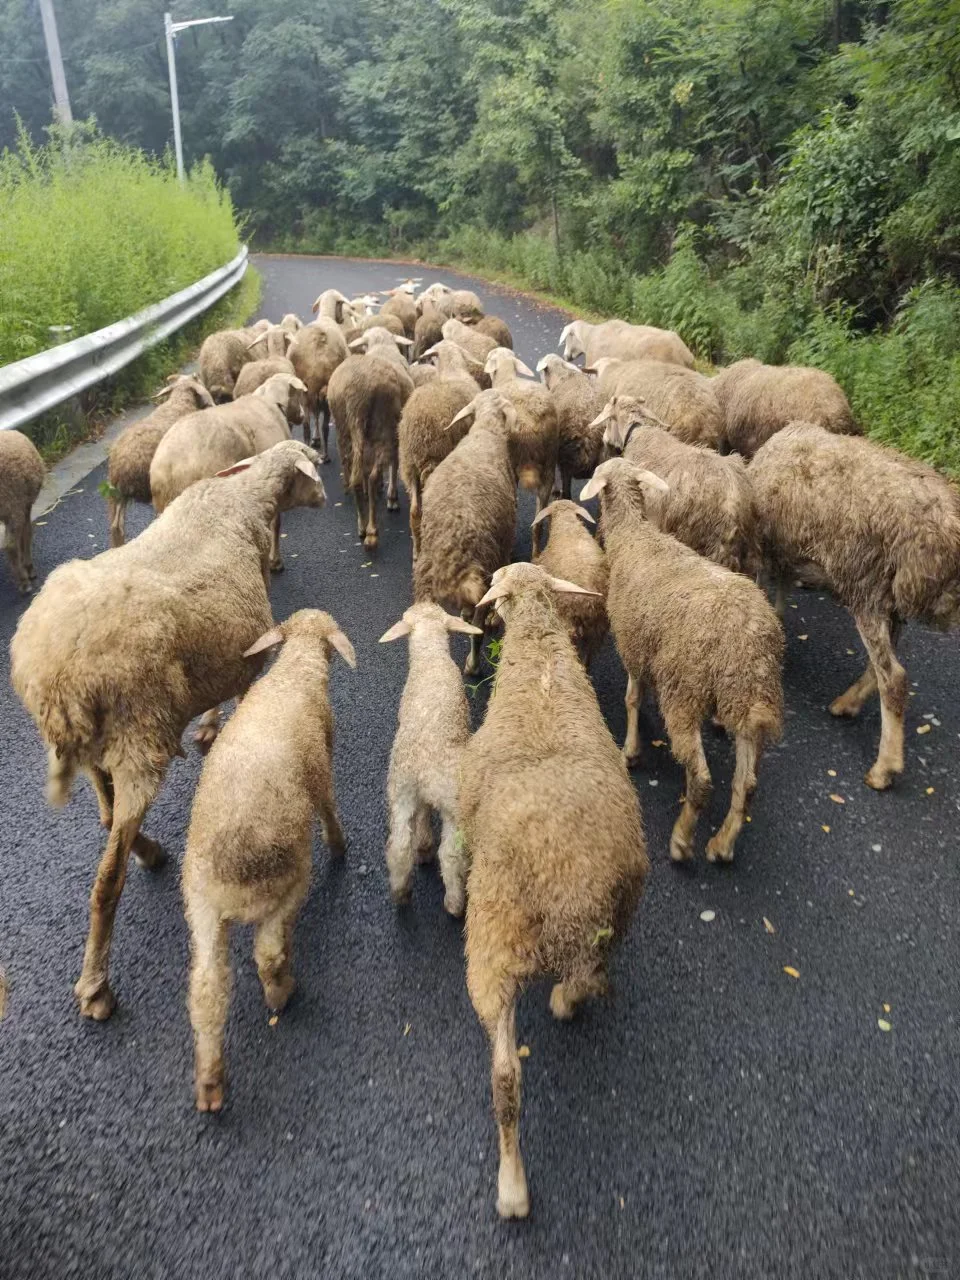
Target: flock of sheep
(703, 484)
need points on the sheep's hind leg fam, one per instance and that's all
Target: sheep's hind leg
(393, 497)
(272, 948)
(478, 617)
(404, 804)
(371, 536)
(687, 747)
(851, 702)
(276, 560)
(453, 866)
(209, 1001)
(632, 699)
(93, 987)
(27, 541)
(14, 546)
(879, 636)
(721, 845)
(324, 441)
(566, 996)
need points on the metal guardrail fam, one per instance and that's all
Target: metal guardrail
(32, 386)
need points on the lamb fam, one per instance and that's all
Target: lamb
(496, 329)
(705, 638)
(428, 330)
(884, 530)
(537, 438)
(256, 373)
(314, 353)
(367, 394)
(573, 554)
(624, 341)
(21, 479)
(117, 654)
(432, 730)
(477, 345)
(757, 400)
(130, 456)
(553, 830)
(429, 429)
(250, 843)
(401, 306)
(681, 400)
(577, 401)
(221, 358)
(709, 503)
(469, 515)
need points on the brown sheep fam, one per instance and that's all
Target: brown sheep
(428, 330)
(393, 324)
(757, 400)
(130, 456)
(469, 515)
(256, 373)
(884, 530)
(681, 400)
(315, 352)
(553, 830)
(705, 638)
(496, 329)
(578, 401)
(117, 654)
(367, 394)
(572, 553)
(400, 306)
(709, 503)
(477, 345)
(221, 358)
(250, 844)
(21, 479)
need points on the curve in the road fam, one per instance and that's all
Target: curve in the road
(716, 1118)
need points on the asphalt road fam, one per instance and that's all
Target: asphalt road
(716, 1118)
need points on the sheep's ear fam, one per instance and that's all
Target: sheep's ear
(544, 361)
(403, 342)
(522, 368)
(266, 641)
(338, 311)
(357, 343)
(256, 342)
(584, 514)
(605, 414)
(396, 632)
(565, 333)
(548, 510)
(316, 307)
(243, 465)
(298, 385)
(593, 487)
(343, 646)
(164, 391)
(287, 339)
(459, 624)
(467, 411)
(571, 588)
(589, 369)
(649, 480)
(308, 469)
(497, 591)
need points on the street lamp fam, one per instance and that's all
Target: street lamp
(171, 29)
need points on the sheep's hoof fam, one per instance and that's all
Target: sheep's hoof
(512, 1198)
(454, 904)
(370, 541)
(99, 1005)
(277, 993)
(400, 896)
(26, 589)
(844, 706)
(880, 779)
(209, 1093)
(718, 850)
(393, 504)
(337, 844)
(681, 850)
(276, 566)
(32, 573)
(631, 761)
(150, 854)
(561, 1008)
(205, 736)
(424, 853)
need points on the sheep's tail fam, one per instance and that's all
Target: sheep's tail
(764, 722)
(61, 771)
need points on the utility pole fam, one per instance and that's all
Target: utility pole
(61, 109)
(170, 29)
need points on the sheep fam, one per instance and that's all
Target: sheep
(577, 401)
(391, 323)
(257, 372)
(221, 358)
(332, 305)
(682, 400)
(401, 306)
(250, 842)
(469, 515)
(432, 729)
(496, 329)
(117, 654)
(21, 479)
(572, 553)
(459, 304)
(624, 341)
(477, 345)
(269, 345)
(193, 449)
(292, 323)
(709, 503)
(757, 400)
(536, 440)
(367, 394)
(421, 374)
(704, 637)
(130, 456)
(554, 835)
(383, 342)
(884, 530)
(428, 427)
(314, 353)
(428, 330)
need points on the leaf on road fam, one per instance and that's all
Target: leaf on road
(929, 791)
(884, 1025)
(831, 773)
(850, 651)
(523, 1051)
(825, 828)
(366, 564)
(837, 799)
(768, 926)
(407, 1029)
(791, 971)
(924, 728)
(272, 1022)
(707, 916)
(803, 637)
(658, 742)
(886, 1008)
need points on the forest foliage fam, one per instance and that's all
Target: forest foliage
(773, 177)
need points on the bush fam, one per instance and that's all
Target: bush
(91, 231)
